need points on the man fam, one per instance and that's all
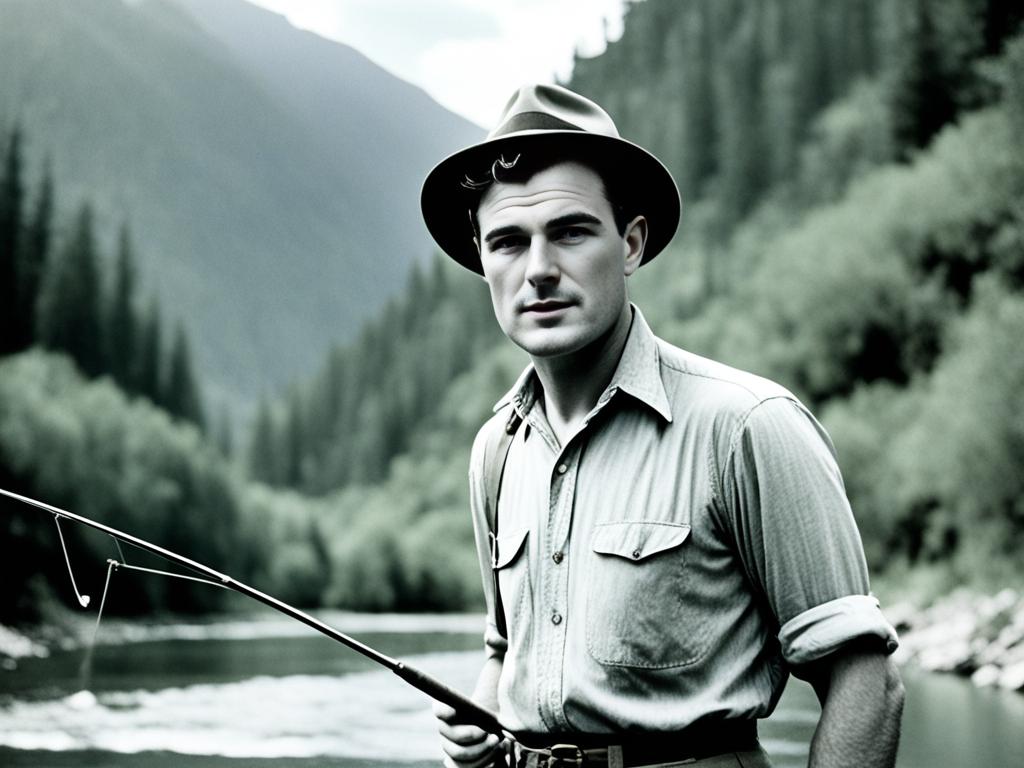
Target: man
(671, 535)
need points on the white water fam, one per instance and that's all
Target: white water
(354, 715)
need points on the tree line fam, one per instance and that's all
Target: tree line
(59, 296)
(347, 424)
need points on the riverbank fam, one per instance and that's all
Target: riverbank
(67, 630)
(966, 634)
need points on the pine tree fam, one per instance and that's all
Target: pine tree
(35, 260)
(225, 437)
(11, 203)
(123, 323)
(262, 455)
(149, 356)
(182, 398)
(72, 322)
(924, 95)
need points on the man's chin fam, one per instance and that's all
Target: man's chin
(548, 342)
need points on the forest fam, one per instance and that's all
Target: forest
(853, 227)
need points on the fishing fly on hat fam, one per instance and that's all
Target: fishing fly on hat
(560, 123)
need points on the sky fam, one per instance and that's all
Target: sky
(469, 55)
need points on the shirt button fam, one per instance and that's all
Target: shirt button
(556, 619)
(636, 554)
(562, 469)
(557, 557)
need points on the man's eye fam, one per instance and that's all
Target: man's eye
(572, 234)
(506, 244)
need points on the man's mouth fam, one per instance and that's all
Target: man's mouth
(546, 307)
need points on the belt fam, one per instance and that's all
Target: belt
(635, 749)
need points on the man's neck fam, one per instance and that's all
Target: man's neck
(573, 383)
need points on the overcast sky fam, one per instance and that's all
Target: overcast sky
(470, 55)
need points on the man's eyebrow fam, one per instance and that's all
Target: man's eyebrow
(494, 234)
(572, 219)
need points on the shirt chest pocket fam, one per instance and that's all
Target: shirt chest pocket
(511, 563)
(638, 614)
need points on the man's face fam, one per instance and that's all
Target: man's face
(554, 260)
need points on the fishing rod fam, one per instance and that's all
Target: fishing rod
(434, 688)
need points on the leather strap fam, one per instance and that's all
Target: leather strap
(495, 456)
(696, 742)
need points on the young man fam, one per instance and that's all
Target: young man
(671, 535)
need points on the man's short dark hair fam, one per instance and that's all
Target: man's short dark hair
(518, 167)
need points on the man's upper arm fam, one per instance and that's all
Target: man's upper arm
(794, 530)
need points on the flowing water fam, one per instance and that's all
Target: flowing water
(268, 693)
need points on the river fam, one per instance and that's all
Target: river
(269, 693)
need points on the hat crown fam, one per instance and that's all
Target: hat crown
(541, 107)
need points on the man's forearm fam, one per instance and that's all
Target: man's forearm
(486, 691)
(862, 703)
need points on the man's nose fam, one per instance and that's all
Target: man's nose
(541, 264)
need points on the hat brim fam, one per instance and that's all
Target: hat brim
(643, 184)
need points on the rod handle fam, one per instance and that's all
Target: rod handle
(465, 706)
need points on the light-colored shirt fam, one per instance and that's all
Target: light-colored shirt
(685, 548)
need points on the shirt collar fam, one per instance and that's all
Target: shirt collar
(638, 375)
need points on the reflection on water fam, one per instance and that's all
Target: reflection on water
(258, 699)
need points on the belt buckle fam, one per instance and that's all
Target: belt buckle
(561, 755)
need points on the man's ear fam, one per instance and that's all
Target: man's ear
(634, 240)
(476, 242)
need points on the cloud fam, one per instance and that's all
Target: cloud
(468, 54)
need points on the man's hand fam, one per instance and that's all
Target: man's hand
(466, 746)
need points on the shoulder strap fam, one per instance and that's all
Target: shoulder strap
(495, 455)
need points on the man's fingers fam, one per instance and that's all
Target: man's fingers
(465, 746)
(477, 755)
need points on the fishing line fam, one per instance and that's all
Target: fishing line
(83, 600)
(85, 668)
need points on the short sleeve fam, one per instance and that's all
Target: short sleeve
(786, 505)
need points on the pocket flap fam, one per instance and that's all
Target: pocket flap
(637, 540)
(509, 545)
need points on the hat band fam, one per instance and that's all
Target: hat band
(533, 121)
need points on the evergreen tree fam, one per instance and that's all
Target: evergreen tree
(123, 323)
(72, 322)
(11, 203)
(35, 260)
(741, 149)
(262, 456)
(924, 94)
(224, 436)
(295, 442)
(182, 398)
(149, 356)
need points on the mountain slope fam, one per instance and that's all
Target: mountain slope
(269, 176)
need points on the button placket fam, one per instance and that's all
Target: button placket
(556, 582)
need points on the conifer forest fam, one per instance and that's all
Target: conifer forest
(852, 174)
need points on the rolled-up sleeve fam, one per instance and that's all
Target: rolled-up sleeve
(795, 532)
(825, 628)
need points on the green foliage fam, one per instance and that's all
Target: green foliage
(88, 448)
(919, 498)
(84, 446)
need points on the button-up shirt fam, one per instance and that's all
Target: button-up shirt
(688, 545)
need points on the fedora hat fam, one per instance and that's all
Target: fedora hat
(565, 125)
